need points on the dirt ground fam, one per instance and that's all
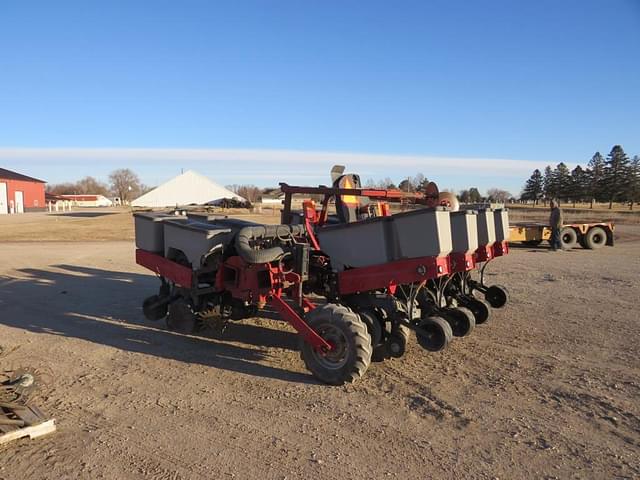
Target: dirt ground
(549, 388)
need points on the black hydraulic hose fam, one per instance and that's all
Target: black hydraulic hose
(280, 232)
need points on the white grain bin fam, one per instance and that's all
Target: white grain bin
(194, 239)
(423, 233)
(464, 231)
(486, 227)
(501, 217)
(150, 230)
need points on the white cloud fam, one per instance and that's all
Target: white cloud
(236, 159)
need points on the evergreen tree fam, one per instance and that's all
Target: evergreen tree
(534, 187)
(548, 183)
(562, 181)
(578, 186)
(633, 194)
(616, 175)
(595, 175)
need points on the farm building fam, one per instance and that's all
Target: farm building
(189, 188)
(20, 193)
(87, 200)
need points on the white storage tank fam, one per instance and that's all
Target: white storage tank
(501, 217)
(423, 233)
(149, 230)
(464, 231)
(359, 244)
(486, 227)
(194, 239)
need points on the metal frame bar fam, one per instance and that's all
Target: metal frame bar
(178, 274)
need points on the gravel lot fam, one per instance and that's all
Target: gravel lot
(549, 388)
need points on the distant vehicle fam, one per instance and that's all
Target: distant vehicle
(588, 235)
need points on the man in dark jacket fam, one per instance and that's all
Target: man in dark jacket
(555, 222)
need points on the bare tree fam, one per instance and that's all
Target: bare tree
(497, 195)
(249, 192)
(91, 186)
(125, 184)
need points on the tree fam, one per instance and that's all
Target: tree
(633, 194)
(406, 185)
(91, 186)
(249, 192)
(420, 182)
(125, 184)
(615, 176)
(594, 174)
(578, 185)
(562, 180)
(548, 183)
(497, 195)
(534, 187)
(474, 195)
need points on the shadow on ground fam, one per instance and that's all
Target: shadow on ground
(83, 214)
(104, 307)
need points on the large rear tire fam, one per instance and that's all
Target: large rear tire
(568, 238)
(595, 238)
(347, 334)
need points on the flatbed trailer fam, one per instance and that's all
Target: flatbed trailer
(588, 235)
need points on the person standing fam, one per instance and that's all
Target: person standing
(555, 222)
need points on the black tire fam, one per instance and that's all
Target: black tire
(480, 309)
(345, 330)
(461, 321)
(497, 296)
(394, 345)
(595, 238)
(154, 308)
(434, 334)
(568, 238)
(181, 318)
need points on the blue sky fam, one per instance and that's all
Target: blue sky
(466, 92)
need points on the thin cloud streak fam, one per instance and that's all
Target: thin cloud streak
(266, 160)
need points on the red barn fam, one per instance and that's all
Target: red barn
(19, 193)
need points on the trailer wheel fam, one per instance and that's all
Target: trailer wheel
(595, 238)
(434, 334)
(461, 321)
(568, 237)
(181, 318)
(154, 308)
(348, 335)
(479, 308)
(497, 296)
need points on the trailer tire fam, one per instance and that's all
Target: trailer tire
(434, 333)
(568, 237)
(595, 238)
(154, 310)
(352, 351)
